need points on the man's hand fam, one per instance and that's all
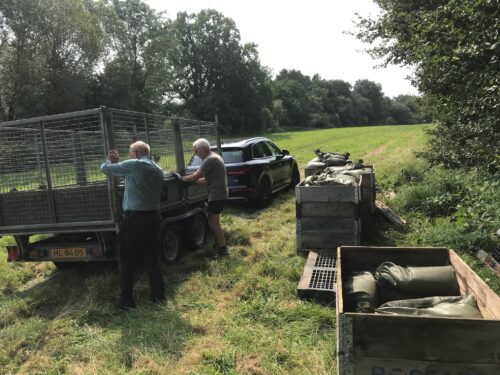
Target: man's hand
(113, 156)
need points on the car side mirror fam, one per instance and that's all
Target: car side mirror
(285, 152)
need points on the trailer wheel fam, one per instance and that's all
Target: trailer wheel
(195, 231)
(170, 244)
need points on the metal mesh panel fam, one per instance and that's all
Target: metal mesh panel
(157, 131)
(322, 279)
(50, 166)
(325, 260)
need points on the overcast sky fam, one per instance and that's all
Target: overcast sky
(307, 35)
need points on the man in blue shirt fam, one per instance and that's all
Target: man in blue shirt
(139, 232)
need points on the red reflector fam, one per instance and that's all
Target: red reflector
(12, 253)
(240, 171)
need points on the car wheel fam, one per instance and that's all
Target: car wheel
(295, 176)
(263, 196)
(170, 244)
(195, 231)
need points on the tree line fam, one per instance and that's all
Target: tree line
(65, 55)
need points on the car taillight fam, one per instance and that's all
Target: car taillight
(239, 171)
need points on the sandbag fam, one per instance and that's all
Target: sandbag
(387, 292)
(315, 165)
(335, 161)
(419, 281)
(446, 307)
(335, 179)
(361, 291)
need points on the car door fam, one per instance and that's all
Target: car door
(263, 155)
(283, 164)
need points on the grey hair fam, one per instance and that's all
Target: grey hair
(201, 143)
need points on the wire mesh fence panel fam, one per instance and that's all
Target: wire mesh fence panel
(55, 177)
(158, 132)
(50, 166)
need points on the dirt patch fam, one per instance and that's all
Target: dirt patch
(375, 152)
(249, 365)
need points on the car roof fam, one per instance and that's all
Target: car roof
(242, 143)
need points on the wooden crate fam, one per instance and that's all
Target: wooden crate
(327, 216)
(382, 345)
(368, 195)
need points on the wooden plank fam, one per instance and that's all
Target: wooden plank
(362, 258)
(426, 339)
(386, 366)
(326, 239)
(327, 224)
(390, 214)
(331, 193)
(470, 283)
(327, 209)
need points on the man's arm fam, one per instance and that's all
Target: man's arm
(113, 167)
(196, 177)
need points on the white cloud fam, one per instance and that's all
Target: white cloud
(304, 35)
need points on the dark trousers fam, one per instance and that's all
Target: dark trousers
(139, 238)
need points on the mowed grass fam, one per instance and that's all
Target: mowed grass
(238, 315)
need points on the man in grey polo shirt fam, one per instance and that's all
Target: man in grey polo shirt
(212, 173)
(138, 236)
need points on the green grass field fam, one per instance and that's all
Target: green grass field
(238, 315)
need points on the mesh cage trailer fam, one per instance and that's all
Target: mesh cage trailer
(59, 206)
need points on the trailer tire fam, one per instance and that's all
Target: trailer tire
(170, 244)
(195, 231)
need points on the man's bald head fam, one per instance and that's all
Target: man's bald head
(139, 149)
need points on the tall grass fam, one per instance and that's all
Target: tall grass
(238, 315)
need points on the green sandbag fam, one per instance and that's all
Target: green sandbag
(361, 287)
(419, 281)
(445, 307)
(387, 292)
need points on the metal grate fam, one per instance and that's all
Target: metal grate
(322, 279)
(319, 279)
(325, 260)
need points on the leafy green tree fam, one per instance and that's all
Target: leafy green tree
(137, 71)
(373, 92)
(400, 114)
(454, 46)
(48, 52)
(293, 89)
(215, 73)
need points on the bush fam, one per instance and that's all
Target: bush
(452, 208)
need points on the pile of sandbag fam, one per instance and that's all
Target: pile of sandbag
(326, 159)
(415, 291)
(345, 175)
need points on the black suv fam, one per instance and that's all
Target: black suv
(256, 168)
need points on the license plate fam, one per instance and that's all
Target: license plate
(68, 253)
